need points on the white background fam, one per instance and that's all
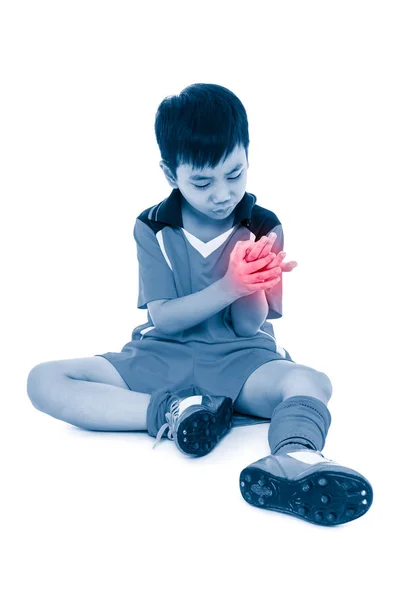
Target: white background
(100, 515)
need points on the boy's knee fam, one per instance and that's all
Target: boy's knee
(37, 386)
(326, 383)
(300, 378)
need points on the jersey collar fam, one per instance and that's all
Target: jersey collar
(169, 210)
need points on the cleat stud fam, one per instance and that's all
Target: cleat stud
(242, 483)
(268, 491)
(305, 487)
(364, 501)
(185, 439)
(363, 493)
(261, 500)
(206, 446)
(212, 419)
(324, 499)
(195, 423)
(185, 433)
(205, 417)
(207, 431)
(319, 516)
(196, 446)
(322, 481)
(302, 510)
(248, 495)
(350, 512)
(331, 517)
(247, 478)
(261, 481)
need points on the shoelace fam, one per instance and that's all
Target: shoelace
(172, 418)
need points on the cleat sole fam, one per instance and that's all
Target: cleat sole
(201, 429)
(345, 496)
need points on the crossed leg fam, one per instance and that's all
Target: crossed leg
(88, 393)
(277, 380)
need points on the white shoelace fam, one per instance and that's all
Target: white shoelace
(172, 418)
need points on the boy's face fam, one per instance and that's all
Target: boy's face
(205, 191)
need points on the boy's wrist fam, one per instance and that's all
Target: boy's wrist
(228, 289)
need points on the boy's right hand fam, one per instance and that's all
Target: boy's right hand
(241, 277)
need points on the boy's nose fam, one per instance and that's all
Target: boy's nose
(222, 200)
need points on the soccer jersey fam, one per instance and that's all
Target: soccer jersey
(174, 263)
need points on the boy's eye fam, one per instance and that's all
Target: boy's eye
(202, 187)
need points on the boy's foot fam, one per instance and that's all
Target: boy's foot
(197, 423)
(305, 484)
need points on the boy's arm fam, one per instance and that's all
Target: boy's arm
(248, 313)
(182, 313)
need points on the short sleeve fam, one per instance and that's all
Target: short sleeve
(156, 278)
(274, 295)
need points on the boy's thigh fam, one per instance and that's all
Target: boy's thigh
(93, 368)
(263, 390)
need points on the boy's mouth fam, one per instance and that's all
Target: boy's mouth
(222, 210)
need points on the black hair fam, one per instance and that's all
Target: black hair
(200, 126)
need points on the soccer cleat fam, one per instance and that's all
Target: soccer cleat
(305, 484)
(197, 423)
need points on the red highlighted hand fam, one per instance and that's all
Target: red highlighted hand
(244, 277)
(262, 248)
(253, 267)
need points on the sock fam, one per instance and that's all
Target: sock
(298, 423)
(291, 447)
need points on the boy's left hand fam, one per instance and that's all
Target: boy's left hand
(262, 248)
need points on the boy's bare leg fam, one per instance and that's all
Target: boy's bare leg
(86, 404)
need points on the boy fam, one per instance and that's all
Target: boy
(210, 275)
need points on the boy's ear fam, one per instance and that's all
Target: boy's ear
(168, 174)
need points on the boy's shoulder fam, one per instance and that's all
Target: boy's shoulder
(262, 220)
(147, 217)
